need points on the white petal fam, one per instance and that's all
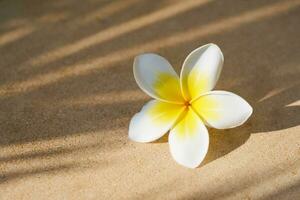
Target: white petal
(156, 77)
(189, 141)
(153, 121)
(221, 109)
(201, 70)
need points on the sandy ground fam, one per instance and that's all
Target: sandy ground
(67, 94)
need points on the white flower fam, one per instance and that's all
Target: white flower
(183, 105)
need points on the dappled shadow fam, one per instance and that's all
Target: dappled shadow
(288, 191)
(47, 170)
(35, 79)
(67, 120)
(23, 173)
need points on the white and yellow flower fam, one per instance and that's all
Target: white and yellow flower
(183, 105)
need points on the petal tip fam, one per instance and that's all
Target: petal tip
(217, 48)
(189, 165)
(135, 137)
(249, 112)
(134, 132)
(247, 115)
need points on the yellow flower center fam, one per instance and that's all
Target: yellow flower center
(187, 103)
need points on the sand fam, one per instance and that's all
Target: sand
(67, 95)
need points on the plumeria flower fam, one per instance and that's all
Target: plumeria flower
(185, 105)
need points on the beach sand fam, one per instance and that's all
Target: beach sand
(67, 94)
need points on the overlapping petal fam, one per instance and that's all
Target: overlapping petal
(189, 140)
(153, 121)
(201, 70)
(222, 110)
(156, 77)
